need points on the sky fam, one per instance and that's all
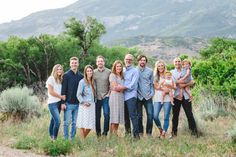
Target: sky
(17, 9)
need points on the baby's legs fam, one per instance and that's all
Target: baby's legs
(171, 97)
(180, 96)
(163, 97)
(189, 93)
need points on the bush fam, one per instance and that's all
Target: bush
(25, 142)
(232, 134)
(19, 103)
(212, 106)
(57, 147)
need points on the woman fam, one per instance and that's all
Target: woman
(53, 85)
(159, 75)
(116, 98)
(86, 95)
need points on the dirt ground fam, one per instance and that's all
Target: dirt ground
(9, 152)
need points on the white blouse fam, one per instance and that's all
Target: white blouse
(56, 87)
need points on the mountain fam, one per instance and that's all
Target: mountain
(129, 18)
(165, 48)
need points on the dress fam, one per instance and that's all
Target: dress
(184, 72)
(86, 115)
(116, 102)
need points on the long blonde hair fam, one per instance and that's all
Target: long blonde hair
(156, 72)
(86, 78)
(54, 73)
(113, 70)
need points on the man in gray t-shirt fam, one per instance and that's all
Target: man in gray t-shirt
(101, 77)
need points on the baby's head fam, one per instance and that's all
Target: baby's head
(168, 75)
(186, 63)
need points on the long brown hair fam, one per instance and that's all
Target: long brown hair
(113, 69)
(156, 72)
(54, 73)
(86, 78)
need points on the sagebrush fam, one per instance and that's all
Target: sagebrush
(19, 103)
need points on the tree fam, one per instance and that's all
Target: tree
(87, 32)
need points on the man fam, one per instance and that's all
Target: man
(69, 89)
(145, 94)
(101, 77)
(185, 103)
(131, 76)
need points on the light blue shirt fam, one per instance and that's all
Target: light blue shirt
(175, 75)
(131, 76)
(145, 83)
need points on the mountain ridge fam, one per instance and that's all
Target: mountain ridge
(186, 18)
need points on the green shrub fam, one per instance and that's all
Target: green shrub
(25, 142)
(212, 106)
(57, 147)
(232, 134)
(20, 103)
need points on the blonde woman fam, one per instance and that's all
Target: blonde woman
(86, 95)
(53, 85)
(159, 76)
(116, 98)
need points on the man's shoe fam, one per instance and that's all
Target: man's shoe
(173, 135)
(104, 133)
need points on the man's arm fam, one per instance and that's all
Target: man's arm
(152, 85)
(182, 85)
(64, 87)
(133, 82)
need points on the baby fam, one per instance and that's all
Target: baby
(166, 83)
(185, 77)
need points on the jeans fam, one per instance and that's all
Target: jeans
(157, 108)
(54, 109)
(131, 112)
(104, 103)
(70, 113)
(149, 111)
(187, 106)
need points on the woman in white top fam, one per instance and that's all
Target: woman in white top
(86, 95)
(159, 75)
(53, 85)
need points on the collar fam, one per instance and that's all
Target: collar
(101, 70)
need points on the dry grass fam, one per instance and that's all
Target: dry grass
(215, 141)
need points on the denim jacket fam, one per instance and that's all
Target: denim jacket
(85, 93)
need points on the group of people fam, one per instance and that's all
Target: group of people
(121, 92)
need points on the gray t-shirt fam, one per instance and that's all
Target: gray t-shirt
(101, 78)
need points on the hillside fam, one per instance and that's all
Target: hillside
(166, 48)
(123, 19)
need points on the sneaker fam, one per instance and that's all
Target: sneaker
(163, 135)
(173, 135)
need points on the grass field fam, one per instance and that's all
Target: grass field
(214, 141)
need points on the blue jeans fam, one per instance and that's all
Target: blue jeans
(157, 108)
(104, 103)
(131, 112)
(149, 111)
(70, 113)
(54, 109)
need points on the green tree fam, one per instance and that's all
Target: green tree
(216, 69)
(86, 32)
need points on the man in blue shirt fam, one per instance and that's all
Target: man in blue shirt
(70, 106)
(131, 76)
(145, 94)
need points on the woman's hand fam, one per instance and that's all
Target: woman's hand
(63, 97)
(63, 106)
(87, 104)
